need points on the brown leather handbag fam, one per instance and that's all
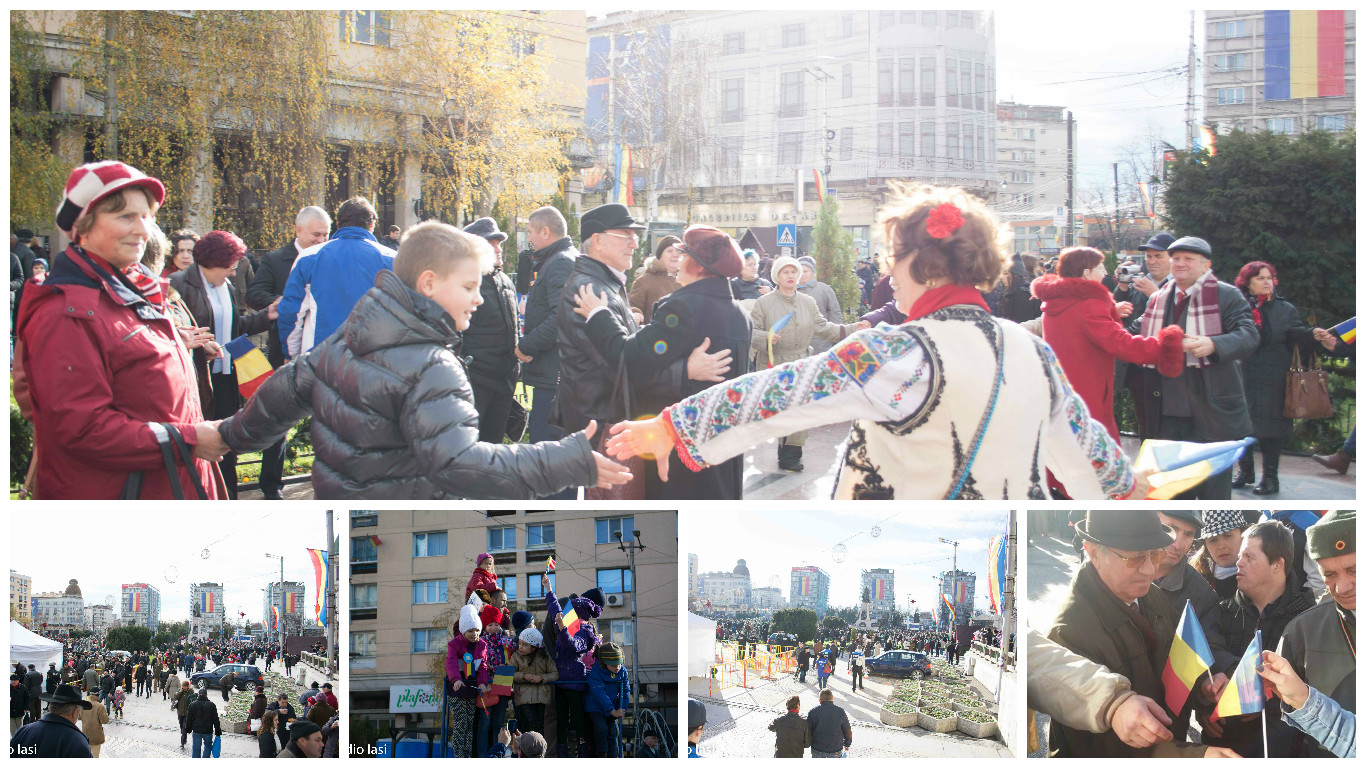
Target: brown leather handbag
(1306, 390)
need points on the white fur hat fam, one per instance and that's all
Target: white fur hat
(783, 261)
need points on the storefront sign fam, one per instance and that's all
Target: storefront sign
(414, 698)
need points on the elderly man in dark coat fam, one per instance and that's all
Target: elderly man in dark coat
(1113, 617)
(56, 735)
(491, 340)
(1205, 404)
(700, 312)
(1320, 643)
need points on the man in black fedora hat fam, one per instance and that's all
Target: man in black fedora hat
(491, 340)
(56, 735)
(587, 382)
(1113, 617)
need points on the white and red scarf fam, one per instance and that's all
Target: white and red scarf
(1202, 316)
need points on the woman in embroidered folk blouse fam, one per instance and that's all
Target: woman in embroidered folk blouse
(951, 404)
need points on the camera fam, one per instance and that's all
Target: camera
(1129, 269)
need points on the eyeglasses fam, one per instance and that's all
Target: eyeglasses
(1134, 562)
(632, 238)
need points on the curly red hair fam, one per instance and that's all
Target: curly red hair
(219, 249)
(1250, 271)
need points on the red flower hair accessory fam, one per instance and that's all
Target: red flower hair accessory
(944, 220)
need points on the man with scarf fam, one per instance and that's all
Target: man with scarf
(1205, 404)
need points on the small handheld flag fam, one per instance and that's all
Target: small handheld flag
(778, 326)
(549, 564)
(1346, 330)
(251, 366)
(1179, 466)
(502, 680)
(1189, 658)
(1244, 693)
(571, 620)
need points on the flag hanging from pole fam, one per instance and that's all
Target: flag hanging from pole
(819, 178)
(1244, 693)
(996, 570)
(275, 613)
(953, 615)
(321, 574)
(1189, 658)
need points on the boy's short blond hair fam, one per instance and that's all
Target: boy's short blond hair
(438, 247)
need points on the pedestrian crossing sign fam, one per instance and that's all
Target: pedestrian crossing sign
(787, 235)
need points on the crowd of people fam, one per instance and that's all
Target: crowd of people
(1099, 670)
(94, 684)
(556, 688)
(147, 336)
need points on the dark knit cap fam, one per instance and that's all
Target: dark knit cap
(219, 249)
(1334, 534)
(301, 728)
(609, 653)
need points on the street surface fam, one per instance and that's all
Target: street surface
(738, 718)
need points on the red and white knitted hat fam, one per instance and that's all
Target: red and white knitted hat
(92, 182)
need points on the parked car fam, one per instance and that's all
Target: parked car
(248, 677)
(910, 664)
(780, 641)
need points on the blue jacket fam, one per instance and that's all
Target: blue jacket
(1334, 728)
(338, 274)
(607, 692)
(53, 736)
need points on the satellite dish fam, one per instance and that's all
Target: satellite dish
(172, 574)
(839, 553)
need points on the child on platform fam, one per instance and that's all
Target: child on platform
(609, 694)
(468, 675)
(573, 658)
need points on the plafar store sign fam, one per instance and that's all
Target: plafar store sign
(414, 698)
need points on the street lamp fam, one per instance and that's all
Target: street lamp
(280, 623)
(630, 550)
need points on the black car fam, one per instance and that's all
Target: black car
(910, 664)
(248, 677)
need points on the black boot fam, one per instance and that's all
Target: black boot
(1271, 471)
(1246, 473)
(790, 458)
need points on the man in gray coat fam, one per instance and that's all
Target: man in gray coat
(1206, 403)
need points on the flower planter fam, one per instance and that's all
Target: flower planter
(900, 719)
(978, 730)
(937, 720)
(960, 705)
(941, 702)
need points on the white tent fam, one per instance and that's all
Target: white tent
(28, 648)
(701, 645)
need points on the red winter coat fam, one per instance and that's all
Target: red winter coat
(480, 580)
(102, 364)
(1081, 324)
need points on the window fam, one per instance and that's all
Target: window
(908, 17)
(429, 592)
(1226, 29)
(502, 539)
(886, 19)
(607, 527)
(967, 20)
(979, 79)
(967, 142)
(927, 81)
(794, 35)
(732, 149)
(848, 23)
(533, 585)
(429, 544)
(906, 82)
(965, 83)
(1229, 96)
(927, 139)
(789, 153)
(364, 518)
(732, 43)
(847, 81)
(617, 631)
(364, 596)
(1026, 134)
(847, 144)
(884, 140)
(428, 640)
(929, 18)
(1334, 123)
(1022, 177)
(1233, 62)
(884, 82)
(509, 586)
(614, 580)
(951, 19)
(540, 535)
(362, 644)
(906, 139)
(790, 95)
(734, 106)
(951, 140)
(951, 82)
(1280, 124)
(366, 27)
(363, 552)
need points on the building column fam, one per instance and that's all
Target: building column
(409, 190)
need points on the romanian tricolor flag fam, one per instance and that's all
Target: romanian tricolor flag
(1305, 54)
(320, 573)
(252, 367)
(502, 680)
(571, 620)
(275, 614)
(819, 178)
(549, 564)
(879, 588)
(1346, 330)
(778, 326)
(1179, 466)
(1244, 693)
(1145, 190)
(291, 602)
(1189, 658)
(206, 602)
(1204, 139)
(996, 570)
(953, 615)
(375, 540)
(134, 601)
(622, 191)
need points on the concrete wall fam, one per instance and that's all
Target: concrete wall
(1011, 715)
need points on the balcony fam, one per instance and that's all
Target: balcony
(364, 566)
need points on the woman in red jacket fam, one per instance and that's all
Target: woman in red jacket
(99, 364)
(1081, 324)
(483, 577)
